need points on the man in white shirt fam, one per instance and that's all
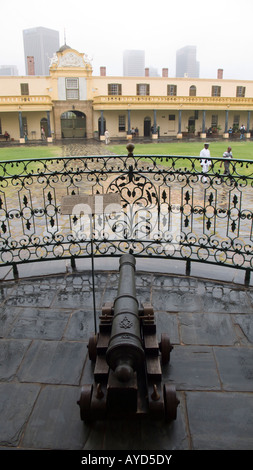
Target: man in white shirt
(107, 137)
(227, 156)
(205, 162)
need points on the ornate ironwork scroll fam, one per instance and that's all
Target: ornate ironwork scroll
(167, 209)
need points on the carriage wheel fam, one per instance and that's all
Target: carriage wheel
(85, 402)
(92, 347)
(165, 348)
(171, 402)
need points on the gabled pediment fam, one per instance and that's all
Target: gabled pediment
(67, 57)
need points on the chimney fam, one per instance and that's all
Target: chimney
(220, 73)
(165, 72)
(30, 65)
(146, 72)
(102, 71)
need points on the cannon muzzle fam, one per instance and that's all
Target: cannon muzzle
(125, 352)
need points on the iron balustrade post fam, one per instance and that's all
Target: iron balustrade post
(128, 122)
(248, 122)
(48, 124)
(21, 129)
(102, 129)
(155, 123)
(226, 122)
(203, 122)
(179, 121)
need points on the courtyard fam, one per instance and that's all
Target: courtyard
(46, 320)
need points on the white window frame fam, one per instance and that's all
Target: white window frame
(114, 89)
(122, 123)
(72, 88)
(171, 90)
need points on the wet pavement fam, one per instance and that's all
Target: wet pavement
(46, 320)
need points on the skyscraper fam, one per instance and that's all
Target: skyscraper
(40, 44)
(8, 70)
(134, 63)
(186, 63)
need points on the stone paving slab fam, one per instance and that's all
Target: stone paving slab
(41, 291)
(220, 421)
(55, 422)
(46, 322)
(53, 362)
(11, 354)
(207, 328)
(39, 323)
(244, 328)
(235, 368)
(16, 403)
(192, 368)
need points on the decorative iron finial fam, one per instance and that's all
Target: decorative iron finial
(130, 149)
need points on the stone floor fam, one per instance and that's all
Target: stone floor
(46, 319)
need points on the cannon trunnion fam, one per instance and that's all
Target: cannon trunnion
(128, 360)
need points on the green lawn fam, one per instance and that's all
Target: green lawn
(242, 150)
(26, 151)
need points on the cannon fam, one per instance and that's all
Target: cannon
(127, 359)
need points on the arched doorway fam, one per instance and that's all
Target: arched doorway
(73, 124)
(147, 126)
(191, 124)
(44, 124)
(99, 126)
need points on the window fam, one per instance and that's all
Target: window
(172, 90)
(192, 91)
(172, 117)
(214, 122)
(216, 90)
(143, 89)
(24, 87)
(240, 91)
(114, 89)
(236, 121)
(122, 123)
(72, 88)
(24, 125)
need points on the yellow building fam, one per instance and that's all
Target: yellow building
(72, 103)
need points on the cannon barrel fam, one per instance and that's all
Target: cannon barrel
(125, 352)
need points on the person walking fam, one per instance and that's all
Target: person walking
(43, 134)
(205, 161)
(107, 137)
(227, 157)
(242, 130)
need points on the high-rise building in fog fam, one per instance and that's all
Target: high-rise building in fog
(133, 63)
(186, 63)
(8, 70)
(40, 44)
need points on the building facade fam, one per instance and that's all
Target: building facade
(72, 103)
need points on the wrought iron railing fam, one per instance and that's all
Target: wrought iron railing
(167, 209)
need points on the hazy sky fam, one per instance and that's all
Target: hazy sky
(103, 29)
